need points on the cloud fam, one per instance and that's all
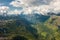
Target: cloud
(55, 5)
(28, 3)
(17, 3)
(14, 12)
(41, 6)
(3, 9)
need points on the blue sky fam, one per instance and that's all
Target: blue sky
(5, 2)
(29, 6)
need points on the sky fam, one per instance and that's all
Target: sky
(29, 6)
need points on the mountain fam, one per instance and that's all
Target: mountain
(33, 18)
(31, 26)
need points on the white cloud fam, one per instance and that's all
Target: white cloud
(17, 3)
(3, 9)
(55, 5)
(14, 12)
(28, 3)
(41, 6)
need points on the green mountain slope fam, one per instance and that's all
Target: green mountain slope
(50, 29)
(47, 30)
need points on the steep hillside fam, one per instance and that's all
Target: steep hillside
(50, 29)
(53, 23)
(32, 27)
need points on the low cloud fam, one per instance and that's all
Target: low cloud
(3, 9)
(14, 12)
